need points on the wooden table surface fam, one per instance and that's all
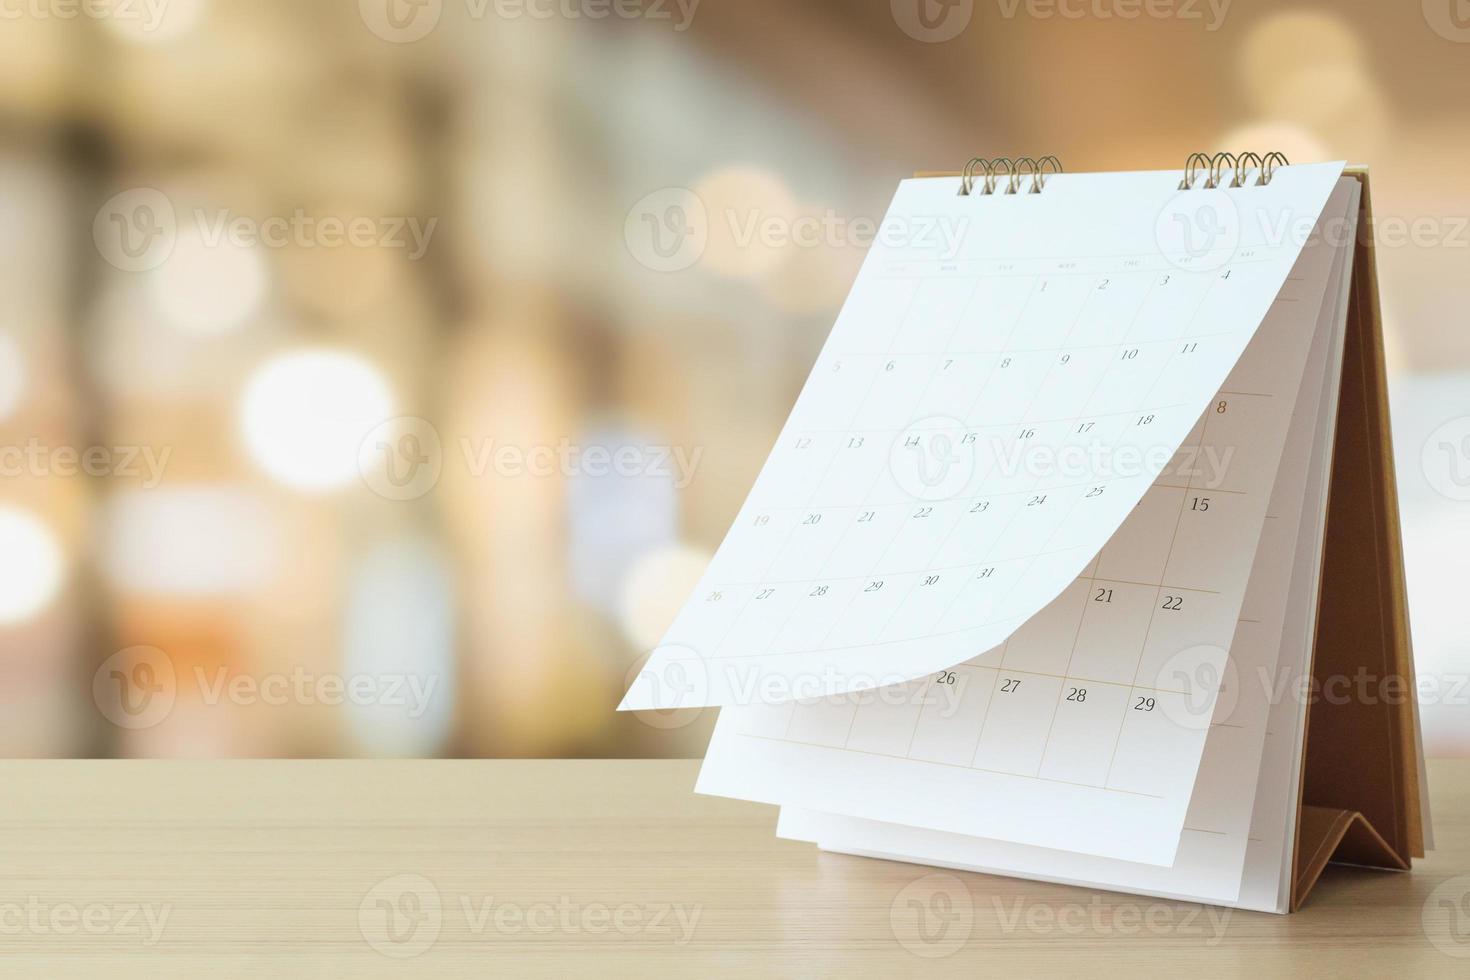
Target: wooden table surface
(506, 868)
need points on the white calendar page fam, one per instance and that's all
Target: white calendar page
(1235, 842)
(1101, 703)
(981, 420)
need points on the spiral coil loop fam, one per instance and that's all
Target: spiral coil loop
(995, 172)
(1014, 172)
(1218, 164)
(1243, 168)
(1038, 183)
(1190, 172)
(1268, 166)
(1238, 166)
(1216, 168)
(967, 178)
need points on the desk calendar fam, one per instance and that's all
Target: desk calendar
(1078, 517)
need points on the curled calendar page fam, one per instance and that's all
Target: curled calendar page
(1124, 723)
(1010, 375)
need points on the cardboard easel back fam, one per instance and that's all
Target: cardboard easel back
(1359, 799)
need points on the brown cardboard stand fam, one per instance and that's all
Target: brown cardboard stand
(1359, 795)
(1359, 799)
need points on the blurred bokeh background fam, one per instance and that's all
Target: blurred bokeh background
(359, 394)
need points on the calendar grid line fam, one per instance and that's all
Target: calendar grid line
(1187, 486)
(827, 470)
(1092, 417)
(1051, 724)
(1060, 349)
(867, 393)
(989, 702)
(953, 765)
(1106, 256)
(970, 665)
(977, 498)
(1077, 637)
(1020, 315)
(908, 748)
(1067, 673)
(1153, 609)
(872, 383)
(1143, 647)
(1036, 388)
(1036, 394)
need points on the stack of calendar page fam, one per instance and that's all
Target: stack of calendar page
(1020, 583)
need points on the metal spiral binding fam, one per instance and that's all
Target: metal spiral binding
(1237, 167)
(967, 179)
(1014, 172)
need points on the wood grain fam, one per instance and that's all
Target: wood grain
(611, 868)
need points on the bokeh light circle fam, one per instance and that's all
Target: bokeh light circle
(31, 565)
(304, 415)
(209, 285)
